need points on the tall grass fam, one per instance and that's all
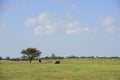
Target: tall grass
(69, 69)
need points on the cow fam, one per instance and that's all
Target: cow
(57, 62)
(39, 60)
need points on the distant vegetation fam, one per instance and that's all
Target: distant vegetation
(34, 54)
(24, 58)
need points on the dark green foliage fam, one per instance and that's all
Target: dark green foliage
(31, 53)
(53, 56)
(24, 58)
(72, 57)
(15, 59)
(56, 57)
(7, 58)
(1, 58)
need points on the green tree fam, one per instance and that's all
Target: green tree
(24, 57)
(1, 58)
(7, 58)
(53, 56)
(31, 53)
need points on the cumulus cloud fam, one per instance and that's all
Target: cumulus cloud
(79, 31)
(113, 30)
(45, 30)
(43, 24)
(48, 25)
(71, 24)
(74, 27)
(44, 19)
(39, 30)
(50, 29)
(75, 31)
(108, 21)
(31, 22)
(73, 6)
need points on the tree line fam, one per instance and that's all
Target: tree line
(77, 57)
(34, 54)
(24, 58)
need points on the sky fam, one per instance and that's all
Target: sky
(62, 27)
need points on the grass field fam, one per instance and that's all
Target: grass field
(69, 69)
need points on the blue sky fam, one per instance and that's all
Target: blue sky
(63, 27)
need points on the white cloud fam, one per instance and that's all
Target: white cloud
(73, 31)
(45, 30)
(44, 19)
(50, 29)
(43, 24)
(80, 31)
(31, 22)
(71, 24)
(108, 21)
(74, 27)
(73, 6)
(39, 30)
(48, 25)
(113, 30)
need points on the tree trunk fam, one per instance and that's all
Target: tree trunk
(30, 60)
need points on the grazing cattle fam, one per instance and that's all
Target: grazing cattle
(57, 62)
(39, 60)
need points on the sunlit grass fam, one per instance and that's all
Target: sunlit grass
(69, 69)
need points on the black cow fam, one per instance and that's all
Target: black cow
(39, 60)
(57, 62)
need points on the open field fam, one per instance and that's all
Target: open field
(69, 69)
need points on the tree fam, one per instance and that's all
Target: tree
(7, 58)
(1, 58)
(53, 56)
(31, 53)
(24, 57)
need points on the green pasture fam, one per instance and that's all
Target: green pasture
(69, 69)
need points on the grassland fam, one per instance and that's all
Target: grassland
(69, 69)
